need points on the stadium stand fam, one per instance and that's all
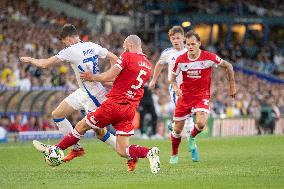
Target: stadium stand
(239, 8)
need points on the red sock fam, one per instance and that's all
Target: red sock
(194, 131)
(69, 140)
(136, 151)
(175, 144)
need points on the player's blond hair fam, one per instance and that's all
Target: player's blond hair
(174, 30)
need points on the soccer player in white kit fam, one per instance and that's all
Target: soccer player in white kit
(82, 56)
(169, 56)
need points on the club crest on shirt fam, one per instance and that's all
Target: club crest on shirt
(203, 64)
(130, 94)
(218, 59)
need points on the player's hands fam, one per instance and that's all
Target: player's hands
(87, 75)
(26, 59)
(178, 92)
(233, 91)
(152, 85)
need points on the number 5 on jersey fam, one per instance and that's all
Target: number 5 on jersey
(139, 79)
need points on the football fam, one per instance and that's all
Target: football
(53, 156)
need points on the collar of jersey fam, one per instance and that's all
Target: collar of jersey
(195, 58)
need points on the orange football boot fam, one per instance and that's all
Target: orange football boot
(131, 164)
(74, 153)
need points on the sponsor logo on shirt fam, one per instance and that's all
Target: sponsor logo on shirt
(89, 51)
(194, 73)
(130, 94)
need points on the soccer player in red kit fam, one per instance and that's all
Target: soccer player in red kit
(194, 92)
(130, 73)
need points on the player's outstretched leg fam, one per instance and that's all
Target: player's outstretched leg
(175, 140)
(59, 115)
(68, 140)
(135, 151)
(73, 138)
(105, 136)
(65, 127)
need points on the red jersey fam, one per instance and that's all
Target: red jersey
(196, 74)
(128, 86)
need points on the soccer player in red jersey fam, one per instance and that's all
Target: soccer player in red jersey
(130, 73)
(194, 92)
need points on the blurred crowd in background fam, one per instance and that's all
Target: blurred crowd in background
(238, 8)
(26, 29)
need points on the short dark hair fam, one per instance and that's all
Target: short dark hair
(67, 31)
(191, 33)
(175, 29)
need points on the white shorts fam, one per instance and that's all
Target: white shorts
(81, 100)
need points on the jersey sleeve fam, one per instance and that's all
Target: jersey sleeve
(102, 52)
(213, 57)
(122, 61)
(64, 55)
(163, 57)
(176, 69)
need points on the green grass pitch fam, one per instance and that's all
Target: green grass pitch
(239, 162)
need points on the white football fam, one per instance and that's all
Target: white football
(53, 156)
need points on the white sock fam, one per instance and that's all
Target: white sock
(110, 140)
(65, 127)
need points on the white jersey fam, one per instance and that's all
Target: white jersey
(169, 57)
(83, 56)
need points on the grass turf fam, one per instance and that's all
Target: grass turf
(239, 162)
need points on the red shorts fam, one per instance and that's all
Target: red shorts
(120, 115)
(185, 107)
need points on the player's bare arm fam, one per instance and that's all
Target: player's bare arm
(157, 70)
(112, 58)
(173, 82)
(230, 73)
(41, 63)
(109, 75)
(107, 84)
